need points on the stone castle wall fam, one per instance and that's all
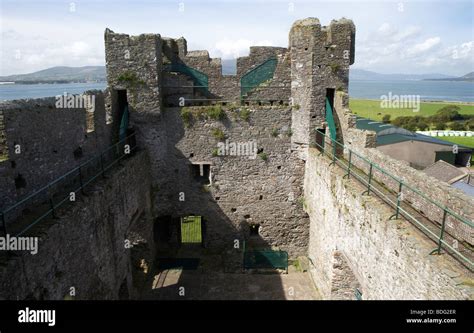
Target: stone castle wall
(363, 142)
(85, 248)
(44, 142)
(353, 244)
(244, 191)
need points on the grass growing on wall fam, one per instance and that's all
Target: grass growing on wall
(218, 134)
(215, 112)
(244, 114)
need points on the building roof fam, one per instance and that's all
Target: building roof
(388, 134)
(456, 177)
(444, 171)
(465, 186)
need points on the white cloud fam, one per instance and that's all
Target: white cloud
(228, 48)
(423, 47)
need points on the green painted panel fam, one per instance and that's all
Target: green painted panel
(258, 75)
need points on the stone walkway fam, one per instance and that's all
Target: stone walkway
(175, 284)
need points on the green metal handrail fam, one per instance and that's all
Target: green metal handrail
(78, 174)
(256, 76)
(350, 171)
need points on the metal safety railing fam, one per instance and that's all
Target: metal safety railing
(46, 201)
(256, 76)
(431, 217)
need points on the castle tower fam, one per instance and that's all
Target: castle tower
(134, 69)
(320, 59)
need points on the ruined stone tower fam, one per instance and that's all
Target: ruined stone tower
(237, 155)
(284, 92)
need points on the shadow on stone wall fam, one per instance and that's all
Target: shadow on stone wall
(176, 194)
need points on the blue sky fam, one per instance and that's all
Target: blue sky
(392, 36)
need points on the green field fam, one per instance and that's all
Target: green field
(464, 141)
(371, 109)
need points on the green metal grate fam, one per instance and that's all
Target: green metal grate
(330, 120)
(191, 232)
(265, 259)
(257, 76)
(199, 78)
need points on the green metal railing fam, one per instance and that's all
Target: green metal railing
(265, 259)
(257, 76)
(46, 201)
(200, 79)
(402, 197)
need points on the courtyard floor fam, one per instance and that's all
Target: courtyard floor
(174, 284)
(211, 281)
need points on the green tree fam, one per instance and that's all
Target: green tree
(448, 113)
(439, 125)
(470, 124)
(386, 119)
(458, 126)
(422, 125)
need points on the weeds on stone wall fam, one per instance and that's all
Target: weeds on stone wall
(244, 114)
(289, 133)
(275, 132)
(218, 134)
(302, 202)
(215, 112)
(187, 116)
(130, 79)
(335, 68)
(263, 156)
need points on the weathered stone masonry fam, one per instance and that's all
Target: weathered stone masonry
(85, 248)
(45, 142)
(301, 203)
(243, 191)
(353, 244)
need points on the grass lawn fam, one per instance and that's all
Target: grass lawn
(371, 109)
(460, 140)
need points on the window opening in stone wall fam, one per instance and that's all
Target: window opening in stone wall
(78, 153)
(254, 229)
(201, 173)
(191, 230)
(20, 181)
(320, 133)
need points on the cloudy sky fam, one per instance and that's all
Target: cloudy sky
(414, 36)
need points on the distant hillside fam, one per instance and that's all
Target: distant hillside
(469, 77)
(364, 75)
(229, 66)
(63, 74)
(60, 74)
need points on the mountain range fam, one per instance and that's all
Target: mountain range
(59, 74)
(63, 74)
